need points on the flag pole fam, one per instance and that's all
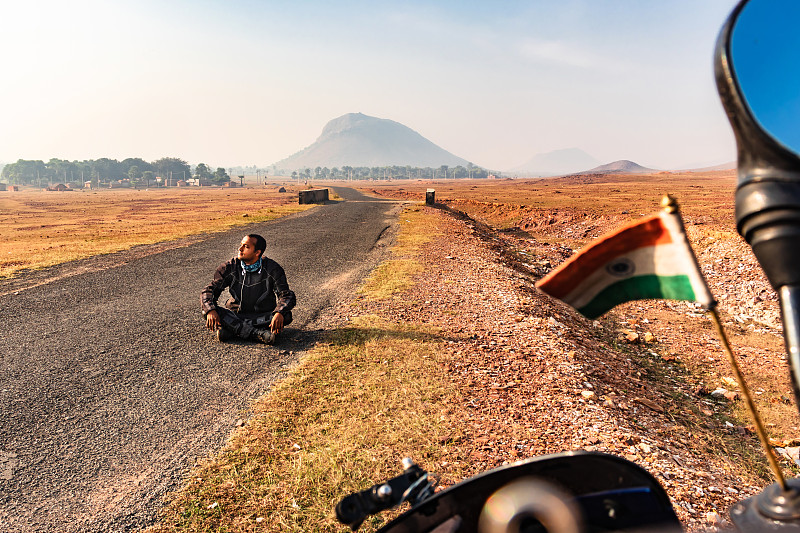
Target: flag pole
(670, 205)
(762, 433)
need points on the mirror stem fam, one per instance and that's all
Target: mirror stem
(790, 314)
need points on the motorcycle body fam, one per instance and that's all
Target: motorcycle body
(566, 492)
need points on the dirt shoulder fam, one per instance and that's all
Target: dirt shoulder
(536, 378)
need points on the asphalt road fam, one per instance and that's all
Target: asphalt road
(110, 388)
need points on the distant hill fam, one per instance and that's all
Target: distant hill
(623, 166)
(556, 163)
(731, 165)
(359, 140)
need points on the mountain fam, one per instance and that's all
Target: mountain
(731, 165)
(359, 140)
(557, 163)
(623, 166)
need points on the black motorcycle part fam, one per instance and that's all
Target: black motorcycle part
(611, 493)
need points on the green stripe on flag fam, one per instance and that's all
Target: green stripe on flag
(650, 286)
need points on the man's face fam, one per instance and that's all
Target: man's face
(248, 252)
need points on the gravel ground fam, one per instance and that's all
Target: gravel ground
(109, 386)
(537, 378)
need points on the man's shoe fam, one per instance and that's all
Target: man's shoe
(224, 334)
(264, 335)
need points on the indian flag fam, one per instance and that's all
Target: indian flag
(649, 258)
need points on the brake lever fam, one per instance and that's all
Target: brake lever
(413, 485)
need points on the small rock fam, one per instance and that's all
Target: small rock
(650, 404)
(731, 396)
(718, 393)
(629, 335)
(649, 337)
(588, 395)
(713, 518)
(629, 439)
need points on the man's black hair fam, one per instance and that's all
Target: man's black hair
(261, 243)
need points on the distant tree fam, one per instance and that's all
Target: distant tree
(479, 173)
(173, 167)
(138, 162)
(148, 176)
(58, 170)
(109, 169)
(202, 172)
(134, 174)
(25, 172)
(220, 176)
(294, 174)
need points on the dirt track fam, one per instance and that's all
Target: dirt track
(109, 386)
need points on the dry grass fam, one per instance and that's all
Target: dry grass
(46, 228)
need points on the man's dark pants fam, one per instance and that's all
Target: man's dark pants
(244, 324)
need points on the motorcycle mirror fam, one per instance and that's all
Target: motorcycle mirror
(758, 87)
(764, 44)
(755, 54)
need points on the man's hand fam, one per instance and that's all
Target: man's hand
(212, 320)
(276, 325)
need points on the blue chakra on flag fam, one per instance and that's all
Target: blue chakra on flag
(621, 267)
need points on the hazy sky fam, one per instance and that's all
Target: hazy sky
(239, 82)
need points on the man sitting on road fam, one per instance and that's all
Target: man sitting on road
(261, 302)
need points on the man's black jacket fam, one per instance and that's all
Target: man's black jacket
(261, 292)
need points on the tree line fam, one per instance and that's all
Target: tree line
(101, 171)
(392, 172)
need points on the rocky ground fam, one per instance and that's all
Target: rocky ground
(537, 378)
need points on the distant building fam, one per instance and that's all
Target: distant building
(58, 187)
